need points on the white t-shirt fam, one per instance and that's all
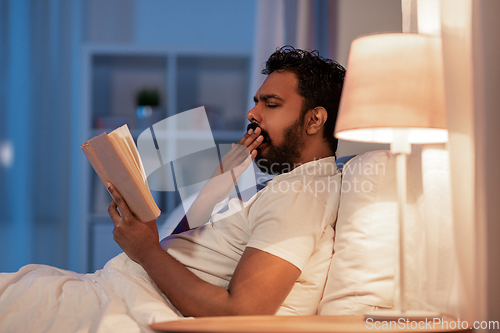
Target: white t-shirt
(291, 218)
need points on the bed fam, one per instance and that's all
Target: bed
(122, 298)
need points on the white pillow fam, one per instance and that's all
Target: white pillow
(364, 268)
(361, 272)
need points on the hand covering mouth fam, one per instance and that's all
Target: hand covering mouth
(263, 132)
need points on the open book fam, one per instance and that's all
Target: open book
(115, 158)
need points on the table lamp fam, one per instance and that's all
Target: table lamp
(394, 93)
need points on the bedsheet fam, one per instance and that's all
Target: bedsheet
(121, 297)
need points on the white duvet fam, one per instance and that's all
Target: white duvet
(119, 298)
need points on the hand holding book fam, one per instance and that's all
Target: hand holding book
(138, 240)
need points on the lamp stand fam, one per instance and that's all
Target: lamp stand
(401, 147)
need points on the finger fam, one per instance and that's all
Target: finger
(234, 154)
(245, 141)
(247, 134)
(240, 151)
(244, 151)
(256, 143)
(113, 213)
(251, 138)
(120, 202)
(253, 154)
(239, 148)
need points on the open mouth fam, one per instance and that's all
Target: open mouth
(263, 132)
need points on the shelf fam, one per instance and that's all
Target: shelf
(116, 81)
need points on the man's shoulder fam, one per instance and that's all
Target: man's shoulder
(319, 179)
(316, 170)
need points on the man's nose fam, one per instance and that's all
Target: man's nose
(254, 115)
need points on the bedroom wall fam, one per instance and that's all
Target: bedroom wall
(40, 92)
(356, 18)
(194, 23)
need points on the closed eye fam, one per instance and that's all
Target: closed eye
(268, 99)
(269, 105)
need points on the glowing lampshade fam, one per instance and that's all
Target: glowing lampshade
(393, 82)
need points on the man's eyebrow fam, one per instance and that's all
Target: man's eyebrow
(266, 97)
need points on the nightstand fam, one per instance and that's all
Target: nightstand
(303, 324)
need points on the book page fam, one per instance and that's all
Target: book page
(124, 138)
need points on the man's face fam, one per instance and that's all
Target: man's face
(277, 111)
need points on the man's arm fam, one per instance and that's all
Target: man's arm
(259, 285)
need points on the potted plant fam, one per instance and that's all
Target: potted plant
(148, 107)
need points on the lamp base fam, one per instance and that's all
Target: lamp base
(395, 315)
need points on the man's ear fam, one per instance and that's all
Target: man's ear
(315, 120)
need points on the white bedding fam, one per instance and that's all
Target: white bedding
(119, 298)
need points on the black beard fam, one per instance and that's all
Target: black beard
(282, 158)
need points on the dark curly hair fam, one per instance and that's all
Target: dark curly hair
(320, 82)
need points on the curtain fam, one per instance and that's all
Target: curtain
(300, 23)
(456, 21)
(36, 103)
(15, 177)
